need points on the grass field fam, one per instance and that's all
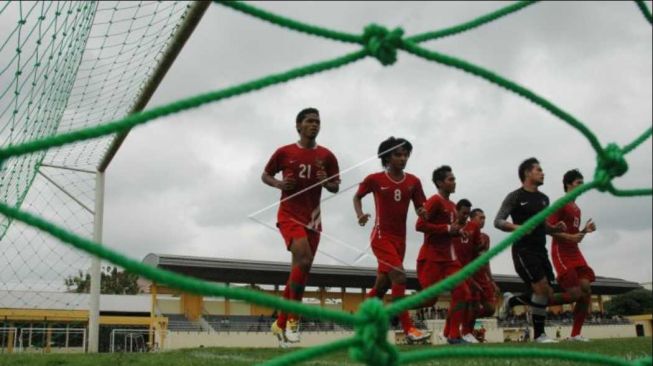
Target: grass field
(626, 348)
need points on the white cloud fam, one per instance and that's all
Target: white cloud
(186, 184)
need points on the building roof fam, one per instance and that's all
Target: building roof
(322, 275)
(43, 300)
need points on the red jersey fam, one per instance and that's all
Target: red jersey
(467, 249)
(563, 250)
(441, 213)
(484, 247)
(391, 201)
(302, 204)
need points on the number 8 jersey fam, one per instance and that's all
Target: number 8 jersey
(391, 200)
(302, 204)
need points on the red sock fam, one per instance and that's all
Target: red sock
(371, 293)
(398, 291)
(294, 291)
(447, 325)
(283, 317)
(469, 315)
(580, 312)
(456, 311)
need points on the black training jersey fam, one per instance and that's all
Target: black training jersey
(521, 205)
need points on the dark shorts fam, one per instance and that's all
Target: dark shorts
(532, 265)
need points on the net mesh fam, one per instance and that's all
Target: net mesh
(66, 66)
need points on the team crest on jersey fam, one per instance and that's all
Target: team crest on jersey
(319, 163)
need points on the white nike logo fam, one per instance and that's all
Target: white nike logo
(523, 203)
(384, 188)
(291, 161)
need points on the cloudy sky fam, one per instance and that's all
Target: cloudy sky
(186, 184)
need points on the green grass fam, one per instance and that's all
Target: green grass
(626, 348)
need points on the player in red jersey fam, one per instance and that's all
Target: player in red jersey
(489, 289)
(437, 258)
(483, 288)
(393, 190)
(574, 275)
(305, 167)
(465, 249)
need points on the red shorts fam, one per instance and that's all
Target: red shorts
(389, 251)
(572, 276)
(429, 273)
(291, 230)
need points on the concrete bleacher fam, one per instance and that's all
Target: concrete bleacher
(252, 323)
(179, 323)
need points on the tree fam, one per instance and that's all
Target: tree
(635, 302)
(112, 281)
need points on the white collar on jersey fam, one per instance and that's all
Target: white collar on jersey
(394, 181)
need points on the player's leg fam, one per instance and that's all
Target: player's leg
(381, 286)
(303, 251)
(384, 253)
(534, 268)
(586, 277)
(472, 309)
(569, 281)
(393, 258)
(459, 298)
(427, 275)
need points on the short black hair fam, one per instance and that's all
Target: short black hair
(439, 174)
(526, 166)
(302, 114)
(463, 203)
(474, 212)
(570, 177)
(389, 145)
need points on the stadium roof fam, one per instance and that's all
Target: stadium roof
(276, 273)
(12, 299)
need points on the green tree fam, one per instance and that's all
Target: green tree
(112, 282)
(635, 302)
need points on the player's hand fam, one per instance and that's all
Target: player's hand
(455, 229)
(559, 227)
(590, 226)
(321, 176)
(576, 238)
(421, 212)
(362, 219)
(287, 184)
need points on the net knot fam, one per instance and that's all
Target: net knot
(382, 43)
(610, 164)
(372, 347)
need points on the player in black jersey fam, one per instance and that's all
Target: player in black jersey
(529, 253)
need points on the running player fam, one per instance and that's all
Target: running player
(393, 190)
(574, 275)
(529, 253)
(306, 167)
(437, 258)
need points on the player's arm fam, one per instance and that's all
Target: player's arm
(330, 178)
(426, 227)
(419, 198)
(557, 217)
(271, 169)
(590, 227)
(501, 220)
(363, 189)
